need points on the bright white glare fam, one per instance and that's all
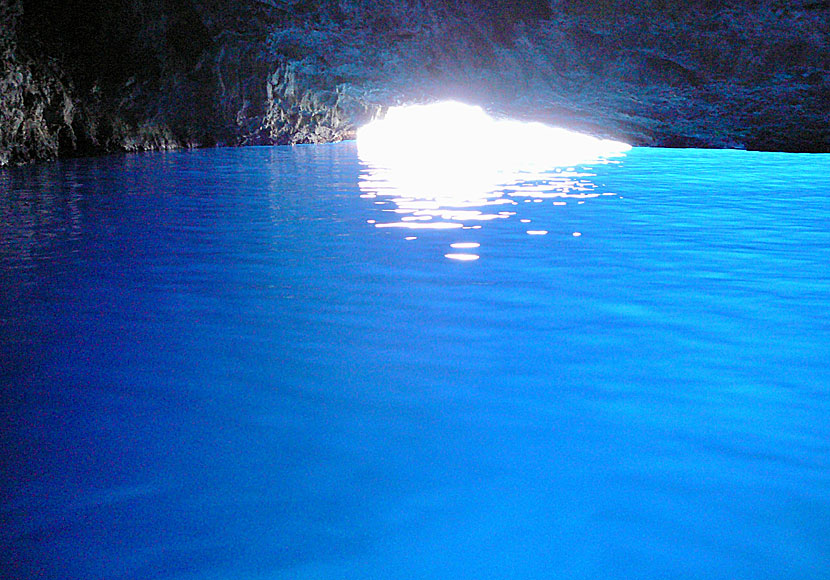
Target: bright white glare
(422, 226)
(462, 257)
(449, 166)
(457, 143)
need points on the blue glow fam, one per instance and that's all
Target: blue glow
(215, 368)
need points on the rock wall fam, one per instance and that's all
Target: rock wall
(33, 98)
(82, 77)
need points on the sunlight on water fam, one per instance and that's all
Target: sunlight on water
(449, 165)
(461, 257)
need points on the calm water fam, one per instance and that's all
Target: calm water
(233, 364)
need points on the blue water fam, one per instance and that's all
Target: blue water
(227, 364)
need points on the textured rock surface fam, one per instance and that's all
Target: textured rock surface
(91, 76)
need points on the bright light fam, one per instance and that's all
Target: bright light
(462, 257)
(450, 166)
(461, 143)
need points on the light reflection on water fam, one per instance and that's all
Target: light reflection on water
(423, 201)
(478, 170)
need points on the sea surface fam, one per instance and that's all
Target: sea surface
(272, 363)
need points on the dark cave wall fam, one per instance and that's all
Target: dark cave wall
(91, 76)
(33, 97)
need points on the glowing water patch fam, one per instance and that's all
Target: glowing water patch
(462, 257)
(421, 226)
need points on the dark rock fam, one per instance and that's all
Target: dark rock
(90, 76)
